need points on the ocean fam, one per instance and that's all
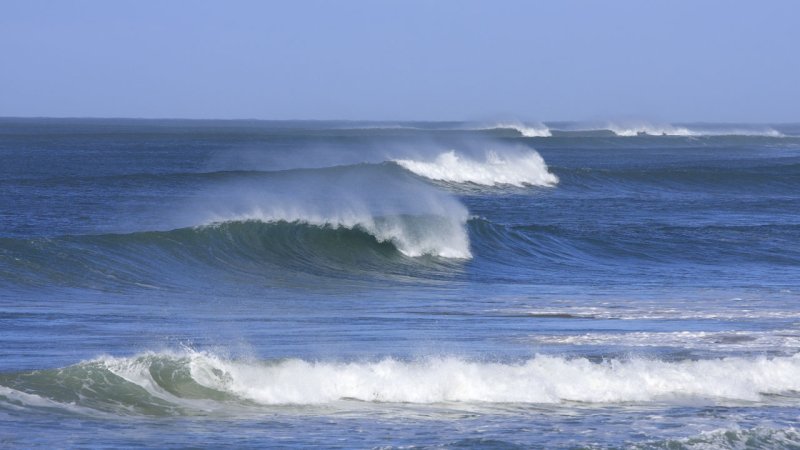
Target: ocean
(342, 284)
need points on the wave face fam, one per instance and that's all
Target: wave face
(526, 169)
(402, 246)
(168, 383)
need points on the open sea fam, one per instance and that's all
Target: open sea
(300, 284)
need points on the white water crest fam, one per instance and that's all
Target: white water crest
(542, 379)
(527, 168)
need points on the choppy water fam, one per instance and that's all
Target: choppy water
(346, 284)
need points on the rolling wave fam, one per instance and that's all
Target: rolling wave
(396, 246)
(191, 382)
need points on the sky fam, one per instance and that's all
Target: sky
(680, 60)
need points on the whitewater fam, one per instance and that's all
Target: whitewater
(511, 284)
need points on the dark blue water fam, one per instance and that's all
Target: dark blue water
(345, 284)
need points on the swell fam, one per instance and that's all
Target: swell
(290, 252)
(190, 382)
(493, 170)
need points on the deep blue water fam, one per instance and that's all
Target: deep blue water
(346, 284)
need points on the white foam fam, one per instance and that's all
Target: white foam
(527, 168)
(543, 379)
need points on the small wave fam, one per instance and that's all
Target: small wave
(172, 381)
(520, 170)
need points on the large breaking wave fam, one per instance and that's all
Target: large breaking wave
(192, 382)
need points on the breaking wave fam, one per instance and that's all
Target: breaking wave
(171, 383)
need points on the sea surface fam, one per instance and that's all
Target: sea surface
(300, 284)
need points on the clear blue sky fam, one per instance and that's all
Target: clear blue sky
(427, 60)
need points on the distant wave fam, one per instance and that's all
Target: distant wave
(622, 128)
(174, 382)
(537, 130)
(627, 129)
(517, 170)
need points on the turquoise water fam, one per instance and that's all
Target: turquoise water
(348, 284)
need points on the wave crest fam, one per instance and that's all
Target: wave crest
(519, 170)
